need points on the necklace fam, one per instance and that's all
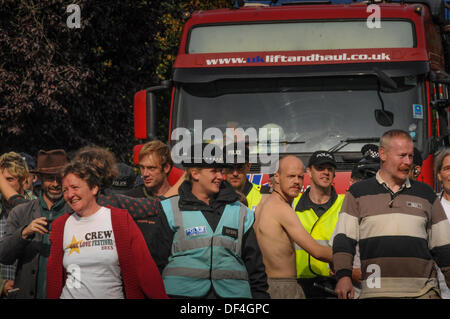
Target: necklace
(282, 197)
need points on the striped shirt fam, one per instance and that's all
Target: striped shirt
(400, 235)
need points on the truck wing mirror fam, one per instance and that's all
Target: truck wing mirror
(384, 118)
(145, 116)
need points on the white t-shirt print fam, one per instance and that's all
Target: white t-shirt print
(90, 258)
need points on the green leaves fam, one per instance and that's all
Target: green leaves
(65, 88)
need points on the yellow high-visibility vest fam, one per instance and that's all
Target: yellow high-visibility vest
(254, 196)
(321, 229)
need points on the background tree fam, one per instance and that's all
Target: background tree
(65, 88)
(170, 26)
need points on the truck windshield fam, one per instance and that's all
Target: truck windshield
(313, 113)
(305, 35)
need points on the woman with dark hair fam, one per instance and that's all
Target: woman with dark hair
(97, 251)
(104, 162)
(144, 210)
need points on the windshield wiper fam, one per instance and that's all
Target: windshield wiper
(279, 142)
(352, 140)
(294, 142)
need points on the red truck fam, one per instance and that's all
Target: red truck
(331, 76)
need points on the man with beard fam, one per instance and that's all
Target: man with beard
(28, 226)
(400, 226)
(277, 228)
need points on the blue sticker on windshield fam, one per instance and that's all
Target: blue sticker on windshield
(417, 111)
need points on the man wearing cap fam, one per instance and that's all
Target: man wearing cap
(318, 210)
(28, 226)
(236, 175)
(211, 248)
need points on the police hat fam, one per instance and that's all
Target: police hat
(205, 155)
(322, 157)
(125, 180)
(236, 153)
(370, 152)
(369, 165)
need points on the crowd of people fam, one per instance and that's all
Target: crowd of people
(88, 227)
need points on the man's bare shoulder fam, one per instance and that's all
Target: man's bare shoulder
(273, 206)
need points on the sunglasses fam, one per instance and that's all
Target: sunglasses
(240, 168)
(321, 168)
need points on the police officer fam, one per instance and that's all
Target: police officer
(236, 174)
(211, 247)
(318, 210)
(368, 166)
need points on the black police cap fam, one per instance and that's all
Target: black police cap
(205, 155)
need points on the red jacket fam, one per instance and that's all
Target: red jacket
(140, 275)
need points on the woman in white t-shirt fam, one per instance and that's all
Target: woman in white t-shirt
(442, 170)
(97, 252)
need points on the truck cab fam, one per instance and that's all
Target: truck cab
(320, 74)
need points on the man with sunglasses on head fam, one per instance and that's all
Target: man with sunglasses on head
(28, 227)
(317, 208)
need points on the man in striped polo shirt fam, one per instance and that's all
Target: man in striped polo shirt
(400, 226)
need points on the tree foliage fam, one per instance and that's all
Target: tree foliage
(170, 26)
(65, 88)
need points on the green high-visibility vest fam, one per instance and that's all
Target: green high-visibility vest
(202, 257)
(321, 229)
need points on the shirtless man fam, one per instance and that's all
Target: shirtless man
(277, 227)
